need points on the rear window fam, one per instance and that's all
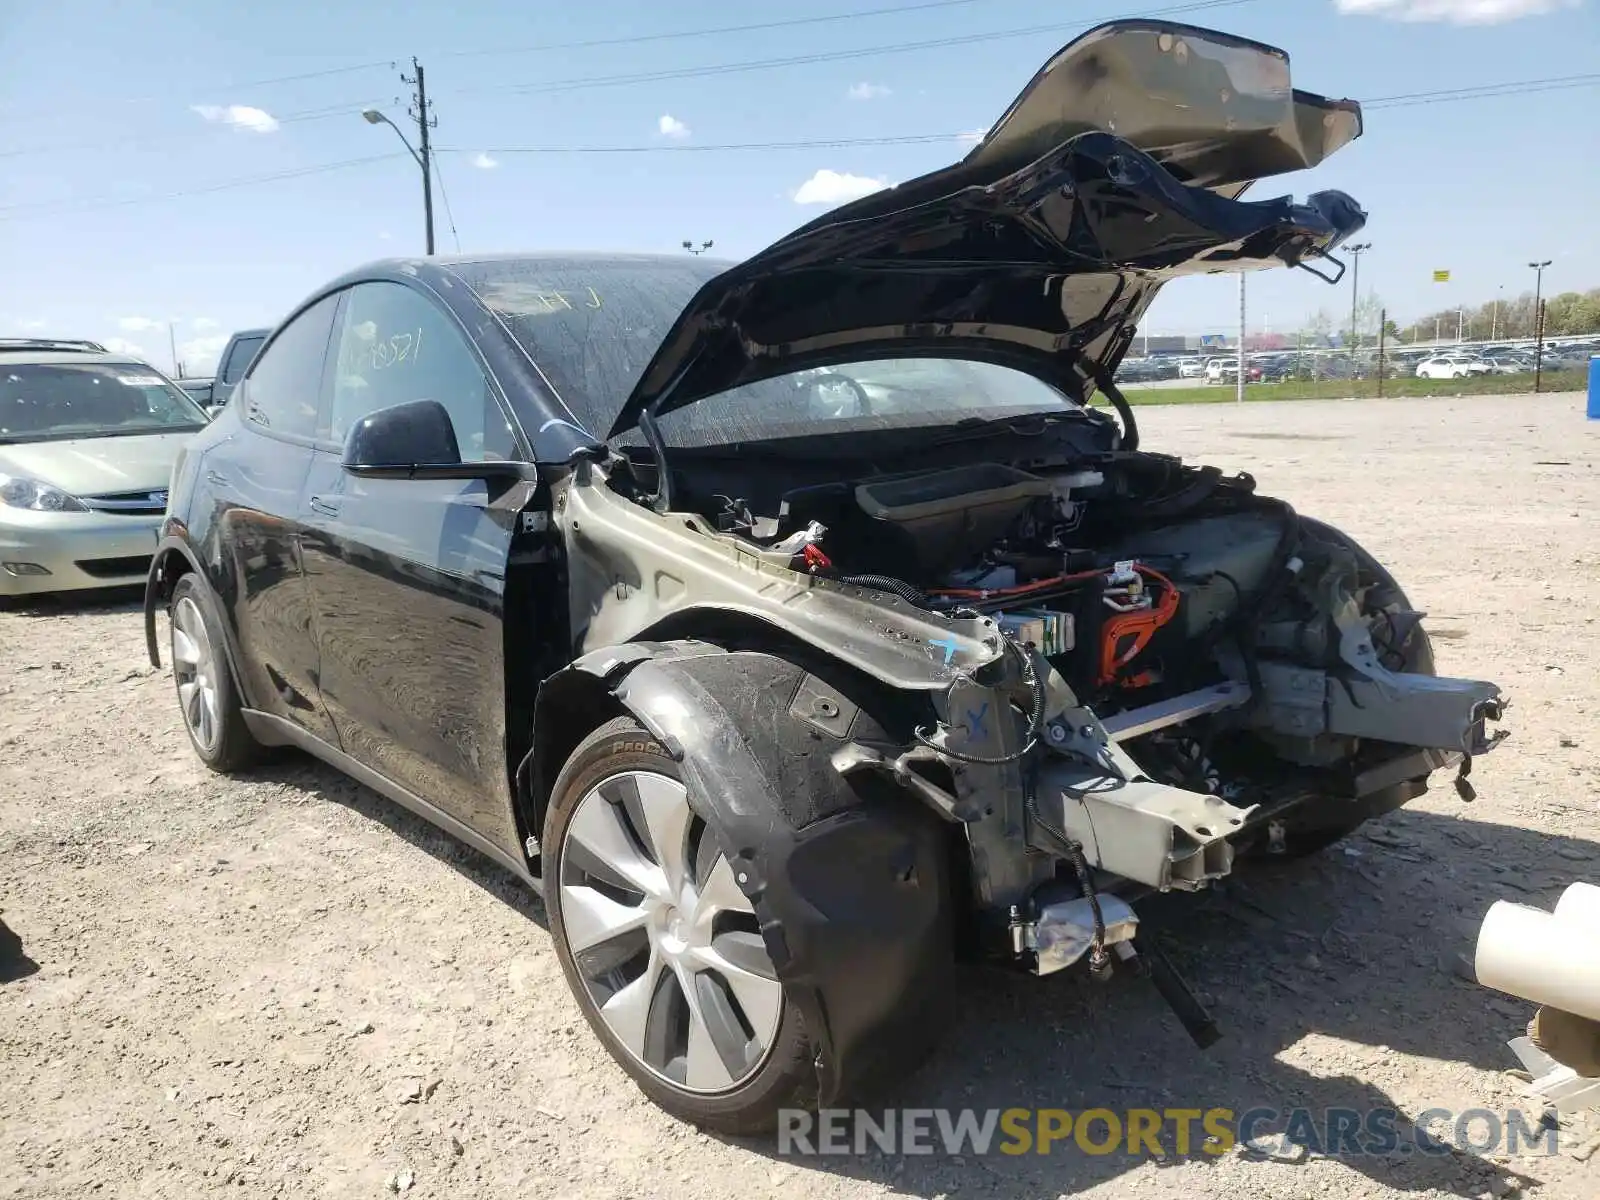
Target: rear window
(54, 401)
(240, 357)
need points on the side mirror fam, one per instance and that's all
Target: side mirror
(415, 440)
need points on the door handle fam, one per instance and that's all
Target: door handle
(217, 478)
(326, 505)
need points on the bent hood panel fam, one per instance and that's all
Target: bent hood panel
(1118, 168)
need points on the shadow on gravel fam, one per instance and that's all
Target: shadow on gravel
(1345, 959)
(89, 602)
(1348, 953)
(308, 774)
(14, 964)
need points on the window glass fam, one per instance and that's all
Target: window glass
(285, 382)
(396, 346)
(61, 401)
(239, 358)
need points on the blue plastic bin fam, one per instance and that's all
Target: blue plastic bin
(1594, 388)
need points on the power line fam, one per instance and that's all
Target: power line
(235, 88)
(22, 212)
(1523, 87)
(449, 216)
(790, 23)
(741, 66)
(314, 114)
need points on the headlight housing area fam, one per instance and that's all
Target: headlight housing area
(17, 492)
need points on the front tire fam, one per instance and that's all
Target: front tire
(660, 946)
(207, 698)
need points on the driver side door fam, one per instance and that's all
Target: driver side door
(408, 576)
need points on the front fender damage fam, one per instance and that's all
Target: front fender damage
(851, 903)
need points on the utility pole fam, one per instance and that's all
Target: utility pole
(421, 113)
(1238, 386)
(1538, 319)
(1355, 253)
(172, 342)
(425, 122)
(1383, 332)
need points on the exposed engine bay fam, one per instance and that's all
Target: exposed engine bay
(1187, 671)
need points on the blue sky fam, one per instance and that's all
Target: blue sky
(106, 112)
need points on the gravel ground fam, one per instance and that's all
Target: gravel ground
(282, 985)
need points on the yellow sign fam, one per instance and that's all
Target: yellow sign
(1441, 276)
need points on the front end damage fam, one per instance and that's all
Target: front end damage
(1095, 671)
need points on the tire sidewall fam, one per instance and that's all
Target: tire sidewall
(786, 1078)
(233, 744)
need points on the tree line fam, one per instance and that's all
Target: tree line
(1567, 314)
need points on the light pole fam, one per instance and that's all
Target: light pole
(1355, 253)
(424, 160)
(1538, 321)
(1494, 321)
(700, 249)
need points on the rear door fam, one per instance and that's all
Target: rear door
(408, 576)
(250, 484)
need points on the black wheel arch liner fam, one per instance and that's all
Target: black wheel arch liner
(168, 546)
(855, 907)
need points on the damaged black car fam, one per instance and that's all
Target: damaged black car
(802, 626)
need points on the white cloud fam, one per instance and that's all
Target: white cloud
(137, 324)
(384, 235)
(34, 325)
(240, 116)
(1456, 12)
(670, 127)
(204, 322)
(971, 137)
(484, 162)
(867, 91)
(199, 355)
(835, 187)
(124, 346)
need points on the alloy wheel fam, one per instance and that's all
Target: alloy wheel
(194, 666)
(667, 945)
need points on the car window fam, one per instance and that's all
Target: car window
(284, 386)
(239, 358)
(395, 345)
(68, 400)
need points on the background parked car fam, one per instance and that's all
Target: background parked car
(1451, 366)
(1191, 368)
(236, 358)
(88, 441)
(199, 389)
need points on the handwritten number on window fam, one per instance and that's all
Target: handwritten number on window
(397, 349)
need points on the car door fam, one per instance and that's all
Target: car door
(408, 575)
(252, 483)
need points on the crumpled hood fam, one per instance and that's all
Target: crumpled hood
(1118, 168)
(95, 466)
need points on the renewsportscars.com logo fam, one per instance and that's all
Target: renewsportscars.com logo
(1163, 1133)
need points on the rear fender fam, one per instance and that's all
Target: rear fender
(848, 880)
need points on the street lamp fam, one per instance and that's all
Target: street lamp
(374, 117)
(1355, 253)
(1538, 321)
(700, 249)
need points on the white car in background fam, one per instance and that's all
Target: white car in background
(1451, 366)
(1191, 368)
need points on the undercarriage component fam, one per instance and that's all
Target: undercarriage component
(1063, 931)
(1136, 722)
(1164, 837)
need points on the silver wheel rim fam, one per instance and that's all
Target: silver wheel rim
(667, 946)
(194, 667)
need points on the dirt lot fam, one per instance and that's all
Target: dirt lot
(282, 985)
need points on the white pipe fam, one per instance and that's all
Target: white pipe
(1580, 904)
(1540, 957)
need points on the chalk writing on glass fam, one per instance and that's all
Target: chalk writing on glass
(396, 349)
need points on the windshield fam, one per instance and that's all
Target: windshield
(593, 325)
(54, 401)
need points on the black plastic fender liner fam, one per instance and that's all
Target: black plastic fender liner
(855, 905)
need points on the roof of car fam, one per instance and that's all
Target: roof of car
(9, 356)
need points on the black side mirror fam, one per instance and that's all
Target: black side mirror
(415, 440)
